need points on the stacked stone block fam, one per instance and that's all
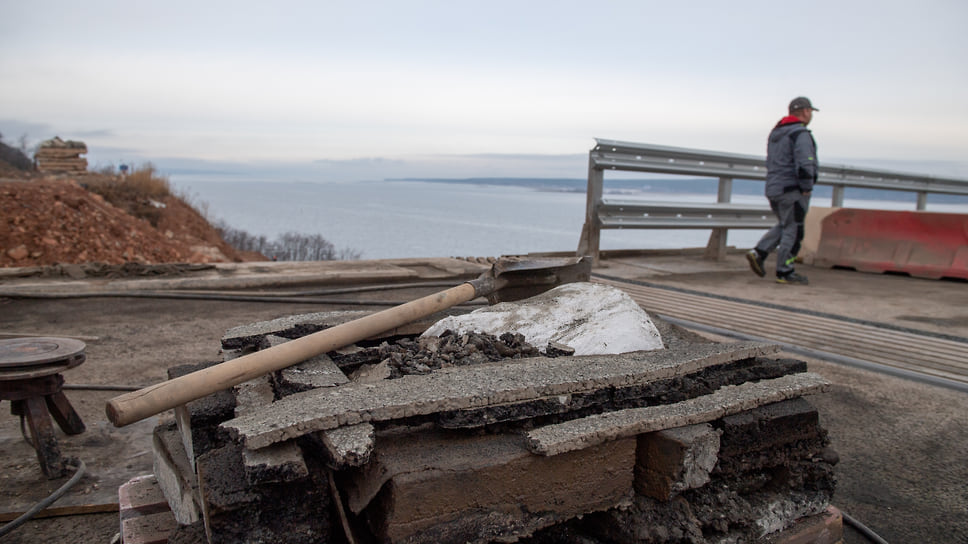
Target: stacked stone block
(60, 156)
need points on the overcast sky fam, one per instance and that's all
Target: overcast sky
(380, 86)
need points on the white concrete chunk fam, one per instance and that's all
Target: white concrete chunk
(592, 318)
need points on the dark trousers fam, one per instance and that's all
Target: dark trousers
(787, 235)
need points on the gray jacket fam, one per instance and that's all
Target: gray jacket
(791, 158)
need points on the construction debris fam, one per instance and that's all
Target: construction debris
(60, 156)
(457, 440)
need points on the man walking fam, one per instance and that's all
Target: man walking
(791, 172)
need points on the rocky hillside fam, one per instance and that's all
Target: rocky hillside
(55, 220)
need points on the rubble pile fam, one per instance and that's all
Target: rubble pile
(481, 438)
(60, 156)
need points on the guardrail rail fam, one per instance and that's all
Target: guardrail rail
(614, 213)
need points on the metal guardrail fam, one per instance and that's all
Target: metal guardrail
(638, 214)
(608, 213)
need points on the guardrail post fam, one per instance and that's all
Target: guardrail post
(837, 198)
(716, 247)
(589, 243)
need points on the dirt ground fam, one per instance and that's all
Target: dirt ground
(902, 444)
(50, 220)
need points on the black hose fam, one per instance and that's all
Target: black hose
(81, 468)
(862, 529)
(199, 296)
(101, 387)
(293, 296)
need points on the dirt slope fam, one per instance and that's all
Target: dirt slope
(49, 221)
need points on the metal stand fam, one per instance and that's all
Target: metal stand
(30, 379)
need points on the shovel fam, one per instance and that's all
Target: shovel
(508, 279)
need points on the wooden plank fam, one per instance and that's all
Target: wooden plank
(593, 430)
(58, 511)
(463, 387)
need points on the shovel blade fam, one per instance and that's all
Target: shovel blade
(527, 277)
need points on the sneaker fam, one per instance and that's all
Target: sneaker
(756, 262)
(793, 278)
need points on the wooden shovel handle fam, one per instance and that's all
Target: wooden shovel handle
(137, 405)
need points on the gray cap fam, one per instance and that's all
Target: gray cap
(801, 103)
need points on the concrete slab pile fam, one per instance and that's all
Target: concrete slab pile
(696, 442)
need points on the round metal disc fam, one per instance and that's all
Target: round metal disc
(24, 352)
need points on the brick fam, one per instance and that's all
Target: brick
(144, 514)
(670, 461)
(140, 493)
(150, 529)
(824, 528)
(438, 487)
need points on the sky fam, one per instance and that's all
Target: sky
(329, 90)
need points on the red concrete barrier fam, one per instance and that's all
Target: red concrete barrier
(922, 244)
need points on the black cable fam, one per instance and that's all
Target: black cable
(199, 296)
(81, 468)
(101, 387)
(863, 529)
(292, 296)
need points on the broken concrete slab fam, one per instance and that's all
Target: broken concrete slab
(441, 487)
(772, 435)
(769, 426)
(349, 446)
(175, 475)
(282, 462)
(669, 461)
(547, 410)
(591, 318)
(291, 326)
(252, 395)
(594, 430)
(371, 373)
(462, 387)
(716, 513)
(319, 371)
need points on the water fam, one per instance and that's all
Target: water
(399, 219)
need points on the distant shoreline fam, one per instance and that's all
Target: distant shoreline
(673, 185)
